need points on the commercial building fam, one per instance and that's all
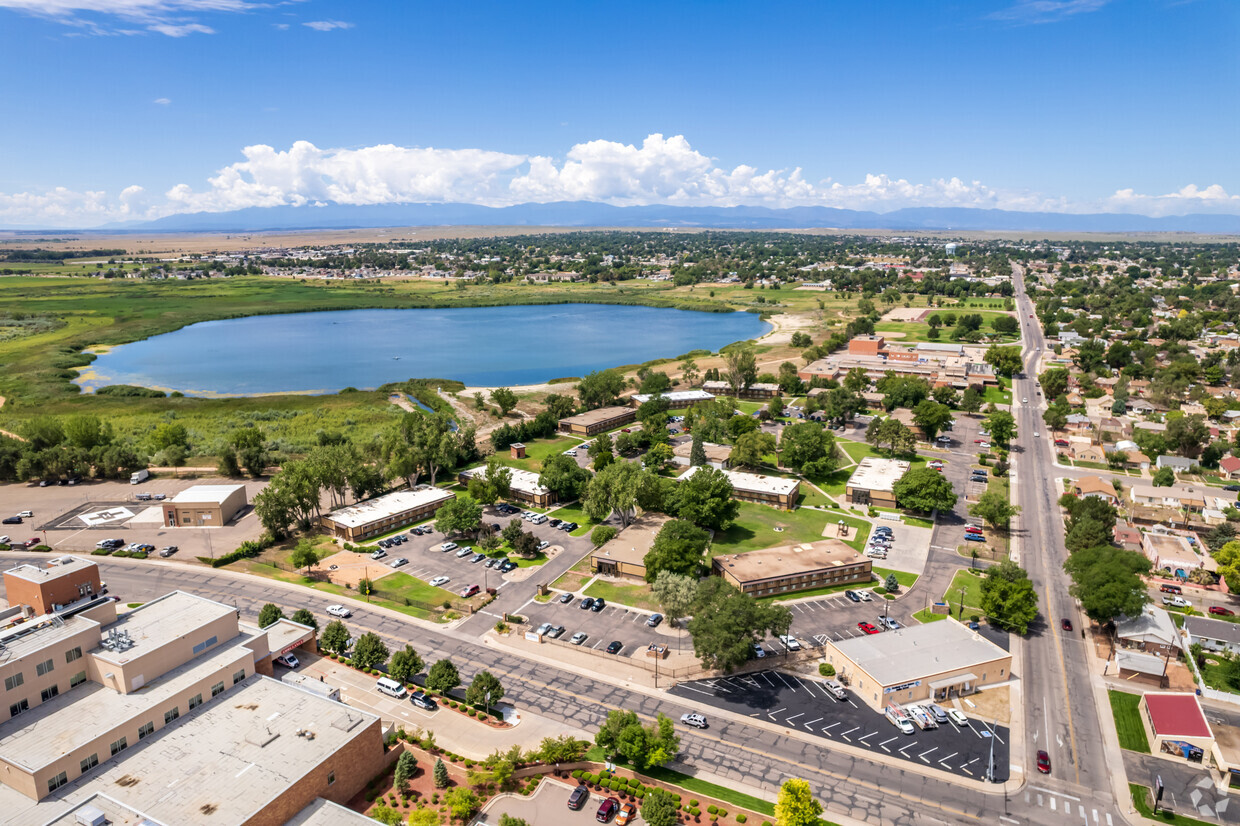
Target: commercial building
(386, 513)
(523, 485)
(624, 555)
(939, 364)
(87, 688)
(593, 422)
(757, 392)
(791, 568)
(1170, 553)
(874, 481)
(936, 661)
(53, 585)
(776, 491)
(676, 400)
(204, 506)
(1176, 725)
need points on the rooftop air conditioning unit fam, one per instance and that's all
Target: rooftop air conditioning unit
(90, 816)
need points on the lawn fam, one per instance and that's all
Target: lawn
(925, 615)
(272, 572)
(634, 596)
(834, 484)
(412, 588)
(755, 528)
(537, 452)
(1128, 721)
(997, 395)
(1141, 798)
(972, 586)
(575, 513)
(859, 450)
(915, 331)
(905, 579)
(810, 496)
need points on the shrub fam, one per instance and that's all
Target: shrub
(740, 817)
(879, 589)
(723, 812)
(692, 803)
(712, 809)
(826, 670)
(695, 811)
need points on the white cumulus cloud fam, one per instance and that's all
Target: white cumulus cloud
(658, 170)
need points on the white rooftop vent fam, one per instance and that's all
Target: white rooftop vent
(90, 816)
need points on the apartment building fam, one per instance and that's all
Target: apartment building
(384, 514)
(776, 491)
(523, 485)
(791, 568)
(594, 422)
(874, 481)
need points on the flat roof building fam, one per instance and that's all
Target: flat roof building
(624, 554)
(204, 506)
(716, 455)
(53, 585)
(523, 485)
(1170, 553)
(874, 481)
(386, 513)
(758, 391)
(791, 568)
(777, 491)
(593, 422)
(1176, 724)
(676, 399)
(936, 661)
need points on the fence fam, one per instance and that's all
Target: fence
(1206, 691)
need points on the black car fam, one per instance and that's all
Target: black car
(578, 798)
(420, 700)
(852, 595)
(554, 522)
(1231, 487)
(587, 603)
(599, 604)
(565, 599)
(12, 520)
(614, 647)
(508, 565)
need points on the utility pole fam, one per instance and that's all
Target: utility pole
(960, 606)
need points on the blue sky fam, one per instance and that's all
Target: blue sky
(125, 109)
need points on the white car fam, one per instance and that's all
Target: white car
(398, 562)
(957, 717)
(1035, 434)
(866, 596)
(695, 720)
(447, 546)
(1024, 401)
(339, 611)
(464, 552)
(758, 651)
(4, 540)
(790, 642)
(545, 628)
(25, 514)
(438, 581)
(287, 660)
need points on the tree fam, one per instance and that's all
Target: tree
(458, 516)
(405, 664)
(406, 765)
(727, 623)
(564, 477)
(658, 457)
(1164, 477)
(440, 773)
(971, 401)
(924, 489)
(1005, 360)
(600, 388)
(493, 484)
(697, 452)
(269, 614)
(676, 594)
(1008, 597)
(443, 677)
(1107, 581)
(931, 417)
(806, 443)
(689, 372)
(1188, 434)
(902, 391)
(424, 816)
(742, 368)
(508, 820)
(890, 432)
(994, 507)
(304, 556)
(1002, 427)
(705, 499)
(484, 689)
(839, 404)
(335, 637)
(600, 452)
(601, 535)
(677, 549)
(614, 489)
(644, 746)
(653, 382)
(1054, 382)
(462, 802)
(751, 449)
(796, 805)
(1005, 324)
(660, 808)
(945, 394)
(369, 651)
(558, 406)
(304, 616)
(505, 398)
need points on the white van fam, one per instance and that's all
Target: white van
(392, 688)
(538, 519)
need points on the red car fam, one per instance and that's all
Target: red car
(1065, 624)
(32, 541)
(1061, 443)
(607, 809)
(470, 590)
(1044, 762)
(978, 441)
(1221, 611)
(869, 628)
(973, 530)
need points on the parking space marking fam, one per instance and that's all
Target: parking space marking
(793, 717)
(922, 756)
(883, 745)
(763, 674)
(772, 714)
(845, 734)
(810, 725)
(904, 751)
(866, 737)
(827, 730)
(785, 682)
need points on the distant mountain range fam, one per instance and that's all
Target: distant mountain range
(590, 214)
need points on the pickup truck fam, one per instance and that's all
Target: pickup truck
(1176, 601)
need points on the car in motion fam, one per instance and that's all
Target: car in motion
(339, 611)
(1065, 624)
(1044, 762)
(693, 719)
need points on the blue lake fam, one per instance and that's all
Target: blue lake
(480, 346)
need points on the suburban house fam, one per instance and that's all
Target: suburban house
(1136, 460)
(1230, 467)
(1212, 634)
(1127, 535)
(874, 480)
(791, 568)
(1152, 631)
(1097, 487)
(1089, 453)
(1170, 553)
(593, 422)
(523, 485)
(777, 491)
(1178, 498)
(1177, 463)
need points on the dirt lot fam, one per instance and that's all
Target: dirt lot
(74, 518)
(353, 567)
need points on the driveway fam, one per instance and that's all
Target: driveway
(547, 806)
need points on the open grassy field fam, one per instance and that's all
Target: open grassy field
(755, 528)
(537, 452)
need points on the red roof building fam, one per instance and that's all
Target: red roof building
(1230, 466)
(1177, 716)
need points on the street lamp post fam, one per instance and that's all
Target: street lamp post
(960, 606)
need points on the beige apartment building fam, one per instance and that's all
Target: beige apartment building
(385, 514)
(593, 422)
(776, 491)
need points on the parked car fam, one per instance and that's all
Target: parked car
(866, 596)
(627, 812)
(379, 554)
(556, 632)
(599, 604)
(287, 660)
(470, 590)
(957, 717)
(476, 558)
(758, 651)
(32, 541)
(566, 598)
(1221, 611)
(974, 537)
(1177, 602)
(607, 809)
(26, 514)
(339, 611)
(654, 620)
(1170, 589)
(614, 647)
(12, 520)
(578, 798)
(790, 642)
(579, 638)
(398, 562)
(4, 540)
(868, 628)
(508, 565)
(492, 561)
(889, 623)
(438, 581)
(1232, 488)
(464, 552)
(586, 603)
(168, 551)
(447, 546)
(972, 529)
(853, 595)
(543, 629)
(420, 700)
(693, 719)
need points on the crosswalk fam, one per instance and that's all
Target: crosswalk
(1072, 808)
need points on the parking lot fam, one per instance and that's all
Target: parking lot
(799, 703)
(546, 807)
(836, 617)
(613, 623)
